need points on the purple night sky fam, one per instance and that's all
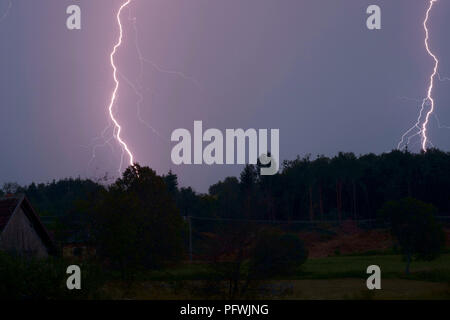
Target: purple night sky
(310, 68)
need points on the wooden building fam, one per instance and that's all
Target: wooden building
(21, 230)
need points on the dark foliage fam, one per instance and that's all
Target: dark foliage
(277, 254)
(136, 223)
(415, 228)
(57, 198)
(338, 188)
(342, 187)
(26, 279)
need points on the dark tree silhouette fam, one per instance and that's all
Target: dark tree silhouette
(414, 227)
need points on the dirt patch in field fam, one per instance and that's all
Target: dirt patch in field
(349, 239)
(359, 242)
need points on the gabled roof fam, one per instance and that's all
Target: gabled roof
(7, 207)
(10, 204)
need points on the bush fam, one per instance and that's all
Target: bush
(276, 253)
(416, 230)
(26, 279)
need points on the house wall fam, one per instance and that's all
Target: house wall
(78, 251)
(20, 236)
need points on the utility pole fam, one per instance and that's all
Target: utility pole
(190, 238)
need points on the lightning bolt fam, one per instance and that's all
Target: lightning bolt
(428, 102)
(117, 127)
(137, 88)
(442, 79)
(158, 68)
(431, 85)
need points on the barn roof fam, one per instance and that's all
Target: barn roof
(7, 207)
(9, 204)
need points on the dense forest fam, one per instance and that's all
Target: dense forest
(342, 187)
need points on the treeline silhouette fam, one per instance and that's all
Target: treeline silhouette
(345, 186)
(55, 198)
(342, 187)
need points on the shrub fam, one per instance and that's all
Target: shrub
(276, 253)
(416, 230)
(24, 278)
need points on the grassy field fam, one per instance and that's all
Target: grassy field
(345, 277)
(325, 278)
(392, 266)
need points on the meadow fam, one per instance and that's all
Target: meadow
(335, 278)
